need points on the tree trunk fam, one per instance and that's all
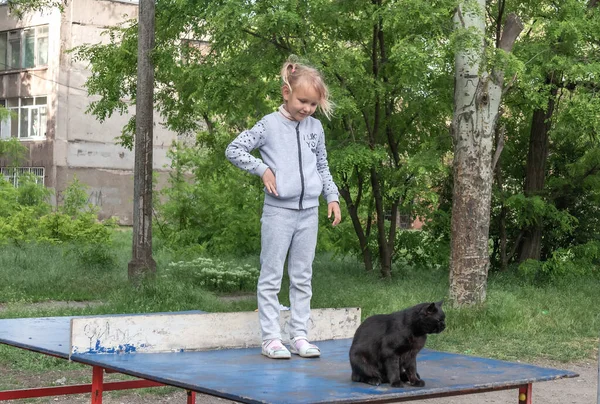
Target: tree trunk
(503, 256)
(142, 263)
(385, 255)
(535, 175)
(376, 123)
(497, 167)
(363, 240)
(476, 104)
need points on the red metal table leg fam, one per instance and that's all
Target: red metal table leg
(525, 394)
(191, 397)
(97, 384)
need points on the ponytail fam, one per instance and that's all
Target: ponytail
(294, 72)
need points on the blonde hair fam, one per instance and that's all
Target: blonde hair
(295, 73)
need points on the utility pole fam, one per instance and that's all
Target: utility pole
(142, 263)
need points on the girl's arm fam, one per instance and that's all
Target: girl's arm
(238, 151)
(330, 190)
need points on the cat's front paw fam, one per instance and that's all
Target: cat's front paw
(397, 383)
(374, 381)
(418, 383)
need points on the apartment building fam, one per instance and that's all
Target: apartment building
(43, 87)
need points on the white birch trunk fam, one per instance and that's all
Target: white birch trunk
(476, 104)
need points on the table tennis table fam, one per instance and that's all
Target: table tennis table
(244, 375)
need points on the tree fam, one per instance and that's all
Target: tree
(389, 80)
(21, 7)
(544, 197)
(477, 98)
(142, 263)
(564, 35)
(11, 150)
(389, 66)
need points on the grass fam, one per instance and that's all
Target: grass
(520, 321)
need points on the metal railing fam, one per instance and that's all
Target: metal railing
(12, 174)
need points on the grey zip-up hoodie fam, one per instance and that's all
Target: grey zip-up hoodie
(295, 152)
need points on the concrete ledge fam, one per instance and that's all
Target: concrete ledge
(177, 332)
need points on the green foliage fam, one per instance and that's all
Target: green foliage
(574, 183)
(32, 194)
(397, 111)
(8, 198)
(85, 228)
(581, 261)
(356, 158)
(21, 7)
(531, 210)
(556, 61)
(75, 199)
(11, 149)
(90, 239)
(93, 256)
(19, 227)
(209, 202)
(390, 129)
(27, 217)
(419, 248)
(22, 207)
(215, 275)
(28, 194)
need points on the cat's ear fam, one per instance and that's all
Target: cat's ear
(431, 308)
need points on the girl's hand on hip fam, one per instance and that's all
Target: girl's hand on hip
(268, 178)
(334, 208)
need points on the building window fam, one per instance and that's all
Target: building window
(11, 174)
(24, 48)
(28, 118)
(405, 221)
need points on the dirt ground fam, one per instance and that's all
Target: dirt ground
(579, 390)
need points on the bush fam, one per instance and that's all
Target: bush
(216, 275)
(582, 260)
(93, 255)
(84, 228)
(209, 203)
(420, 248)
(90, 240)
(75, 199)
(26, 217)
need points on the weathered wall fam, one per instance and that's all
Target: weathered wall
(84, 22)
(87, 145)
(109, 189)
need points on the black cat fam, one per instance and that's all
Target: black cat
(385, 346)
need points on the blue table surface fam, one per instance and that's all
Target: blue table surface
(245, 375)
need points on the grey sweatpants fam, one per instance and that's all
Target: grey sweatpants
(291, 233)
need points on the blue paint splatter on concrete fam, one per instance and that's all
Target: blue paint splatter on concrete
(125, 348)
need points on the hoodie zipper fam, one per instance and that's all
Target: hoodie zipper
(300, 165)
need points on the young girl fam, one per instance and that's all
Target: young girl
(295, 172)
